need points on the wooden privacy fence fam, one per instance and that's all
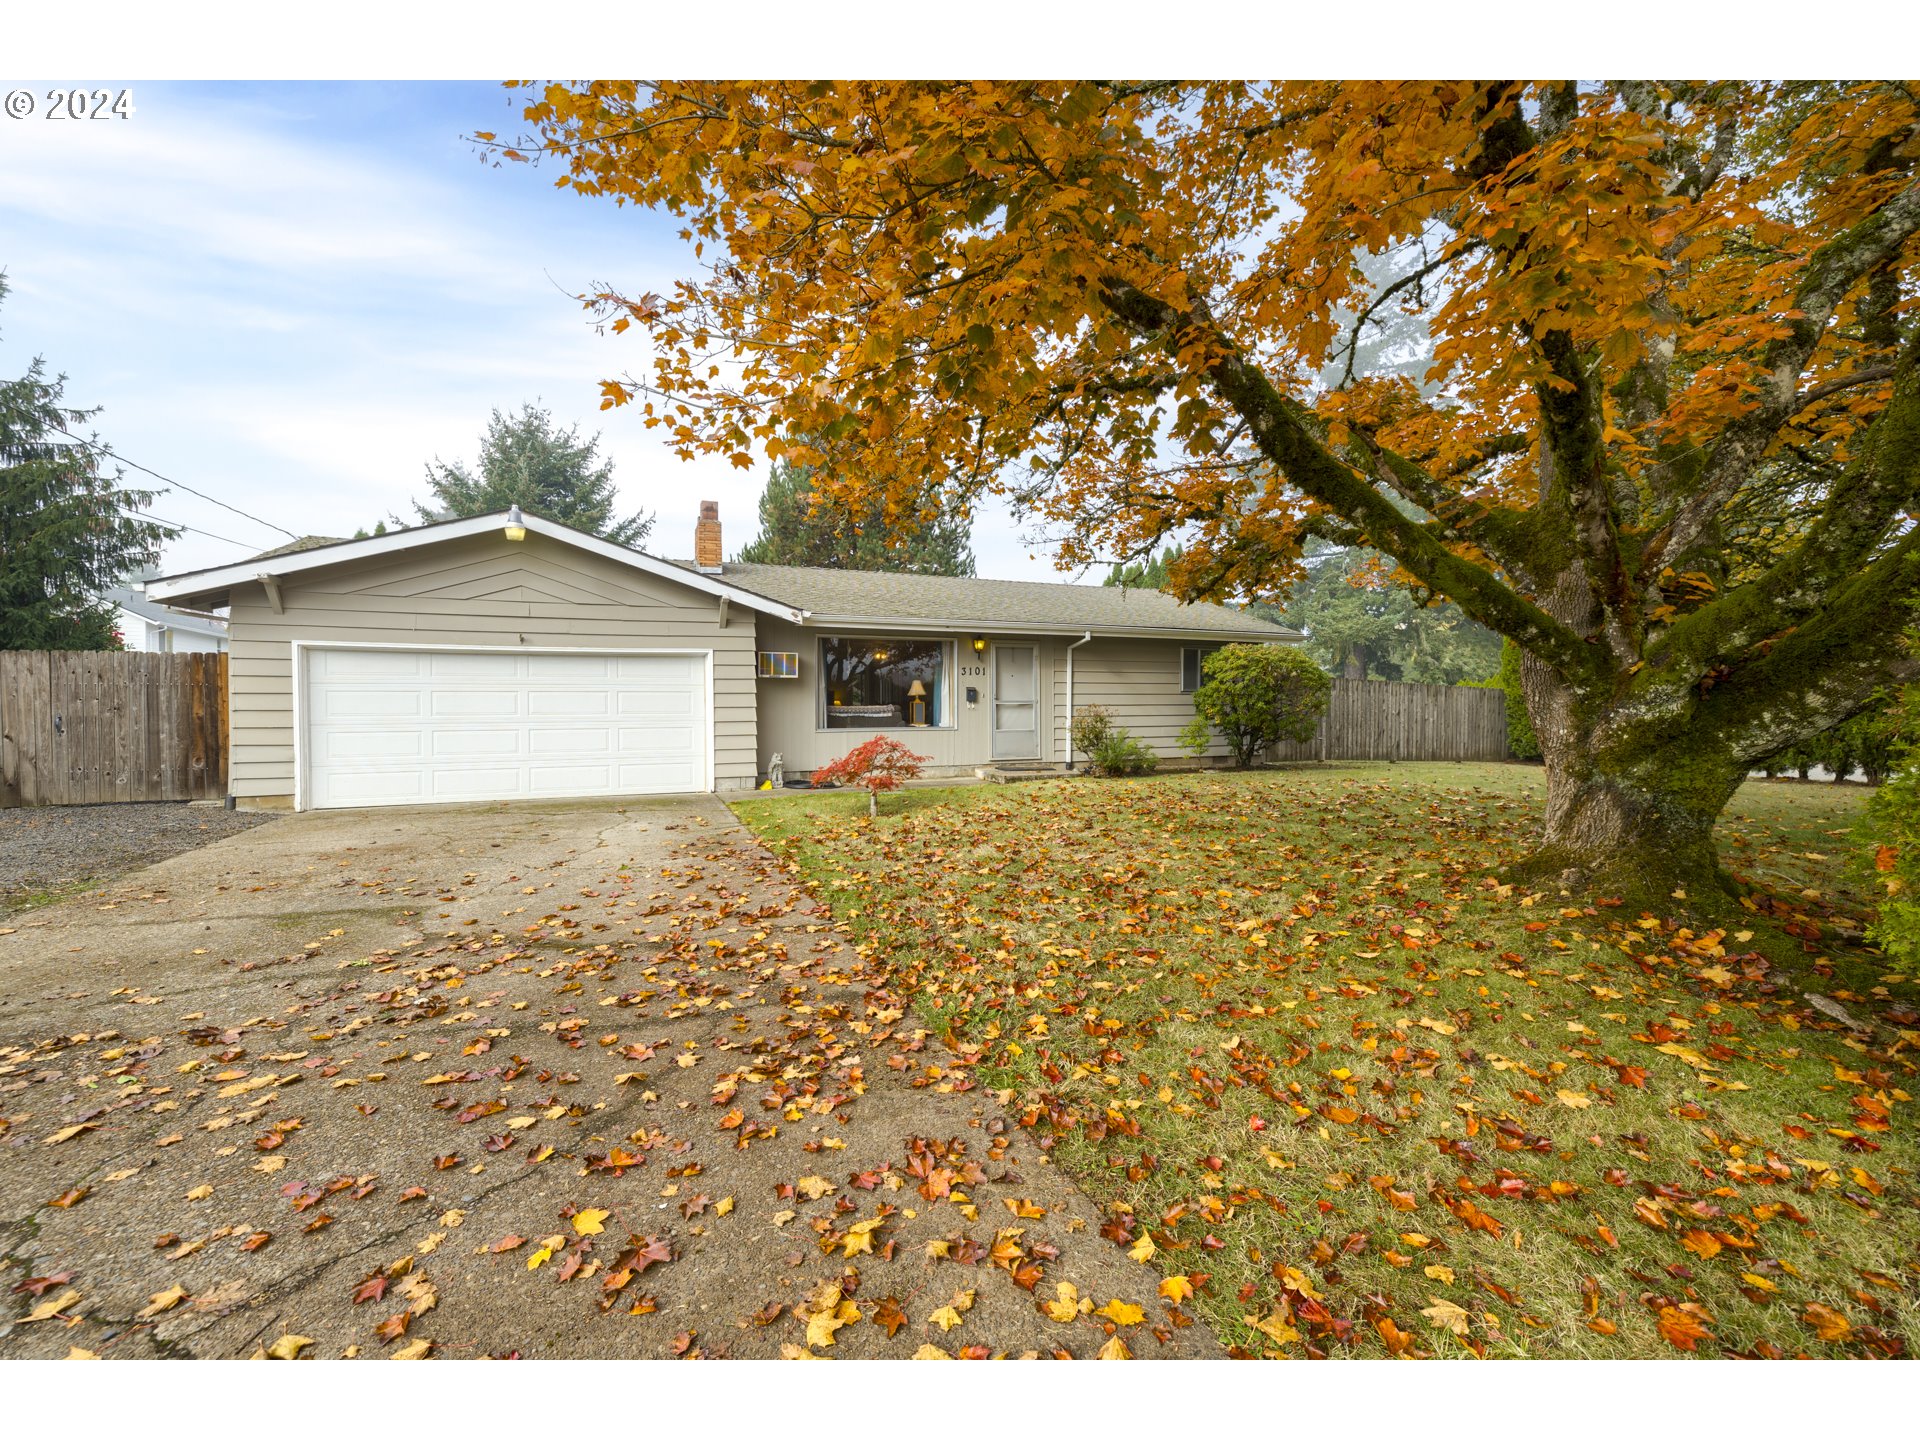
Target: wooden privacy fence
(1388, 720)
(86, 727)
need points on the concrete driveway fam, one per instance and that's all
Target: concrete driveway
(576, 1079)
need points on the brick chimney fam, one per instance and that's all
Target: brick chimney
(706, 537)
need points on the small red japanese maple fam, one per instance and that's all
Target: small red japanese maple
(879, 765)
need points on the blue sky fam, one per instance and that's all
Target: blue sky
(290, 296)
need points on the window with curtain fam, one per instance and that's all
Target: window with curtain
(881, 684)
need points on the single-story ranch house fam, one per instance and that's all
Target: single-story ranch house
(509, 657)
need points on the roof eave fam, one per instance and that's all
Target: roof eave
(1060, 627)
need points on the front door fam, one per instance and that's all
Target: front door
(1016, 712)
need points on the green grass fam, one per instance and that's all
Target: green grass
(16, 902)
(1256, 1016)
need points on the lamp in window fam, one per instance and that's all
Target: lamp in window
(516, 524)
(979, 644)
(917, 703)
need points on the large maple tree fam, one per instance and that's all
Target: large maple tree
(1669, 442)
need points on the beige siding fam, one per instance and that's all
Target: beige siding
(1138, 682)
(485, 590)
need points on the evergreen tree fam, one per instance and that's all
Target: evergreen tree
(67, 531)
(526, 460)
(801, 526)
(1150, 574)
(1364, 630)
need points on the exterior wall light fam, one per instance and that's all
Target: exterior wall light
(979, 644)
(516, 524)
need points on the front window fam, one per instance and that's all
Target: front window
(883, 684)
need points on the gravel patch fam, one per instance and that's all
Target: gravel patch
(58, 848)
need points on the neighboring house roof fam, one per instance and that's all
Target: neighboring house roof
(194, 622)
(803, 594)
(304, 542)
(854, 597)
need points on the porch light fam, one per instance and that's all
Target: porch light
(979, 644)
(516, 524)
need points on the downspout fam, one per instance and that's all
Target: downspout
(1070, 649)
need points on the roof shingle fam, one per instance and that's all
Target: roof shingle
(882, 597)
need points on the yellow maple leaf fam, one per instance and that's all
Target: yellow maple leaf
(1070, 1306)
(1115, 1349)
(946, 1317)
(1121, 1313)
(1445, 1315)
(590, 1222)
(288, 1347)
(1177, 1288)
(1143, 1249)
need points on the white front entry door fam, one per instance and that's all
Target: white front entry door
(420, 727)
(1016, 708)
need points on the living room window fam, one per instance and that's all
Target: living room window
(880, 684)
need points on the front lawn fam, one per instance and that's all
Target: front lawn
(1313, 1059)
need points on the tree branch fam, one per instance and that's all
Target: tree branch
(1281, 436)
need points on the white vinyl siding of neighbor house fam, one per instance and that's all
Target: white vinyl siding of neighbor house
(790, 715)
(484, 590)
(1138, 684)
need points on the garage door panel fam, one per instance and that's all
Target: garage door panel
(445, 744)
(354, 787)
(475, 667)
(370, 704)
(478, 782)
(577, 740)
(656, 740)
(568, 703)
(417, 727)
(469, 703)
(365, 746)
(685, 669)
(570, 667)
(369, 664)
(666, 776)
(678, 704)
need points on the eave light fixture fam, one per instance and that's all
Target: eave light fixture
(516, 524)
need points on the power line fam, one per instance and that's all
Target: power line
(180, 525)
(115, 455)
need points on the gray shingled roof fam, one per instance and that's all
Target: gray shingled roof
(839, 596)
(294, 547)
(199, 622)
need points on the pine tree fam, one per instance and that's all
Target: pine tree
(67, 531)
(799, 526)
(526, 460)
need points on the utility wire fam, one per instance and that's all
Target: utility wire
(115, 455)
(179, 525)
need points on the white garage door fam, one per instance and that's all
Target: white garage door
(415, 727)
